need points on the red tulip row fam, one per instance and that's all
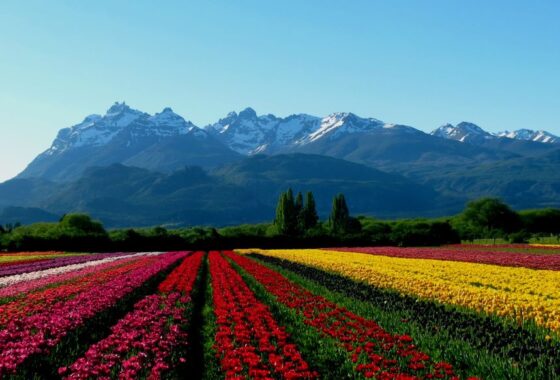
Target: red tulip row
(183, 277)
(249, 342)
(376, 352)
(26, 335)
(143, 342)
(478, 255)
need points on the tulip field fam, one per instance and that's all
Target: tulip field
(455, 312)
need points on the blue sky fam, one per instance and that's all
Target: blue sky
(421, 63)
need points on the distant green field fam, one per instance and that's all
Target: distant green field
(534, 240)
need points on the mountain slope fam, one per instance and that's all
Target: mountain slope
(401, 148)
(523, 182)
(368, 190)
(25, 191)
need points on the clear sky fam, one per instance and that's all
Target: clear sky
(421, 63)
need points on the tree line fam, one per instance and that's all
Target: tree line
(296, 225)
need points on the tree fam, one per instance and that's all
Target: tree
(309, 217)
(487, 217)
(286, 217)
(339, 220)
(159, 231)
(298, 204)
(545, 221)
(81, 224)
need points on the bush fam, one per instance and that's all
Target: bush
(521, 237)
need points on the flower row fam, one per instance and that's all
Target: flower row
(26, 335)
(249, 342)
(504, 291)
(142, 343)
(527, 247)
(504, 258)
(375, 352)
(22, 257)
(48, 263)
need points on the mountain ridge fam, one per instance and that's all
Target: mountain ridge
(472, 133)
(132, 137)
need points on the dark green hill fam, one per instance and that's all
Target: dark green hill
(240, 192)
(525, 182)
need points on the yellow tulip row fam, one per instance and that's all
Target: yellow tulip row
(545, 245)
(520, 293)
(15, 258)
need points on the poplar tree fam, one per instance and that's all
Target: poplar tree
(298, 204)
(286, 216)
(339, 220)
(309, 217)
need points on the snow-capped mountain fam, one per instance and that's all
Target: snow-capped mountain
(472, 133)
(463, 132)
(341, 123)
(97, 130)
(531, 135)
(248, 134)
(162, 142)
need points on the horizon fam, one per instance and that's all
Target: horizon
(403, 62)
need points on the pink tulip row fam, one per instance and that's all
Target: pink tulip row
(529, 247)
(142, 343)
(37, 333)
(503, 258)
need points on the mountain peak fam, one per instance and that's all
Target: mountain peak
(339, 123)
(471, 127)
(464, 132)
(248, 113)
(117, 108)
(168, 118)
